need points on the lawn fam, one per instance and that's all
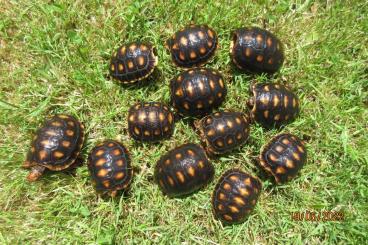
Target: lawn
(54, 58)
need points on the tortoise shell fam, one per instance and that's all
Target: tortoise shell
(235, 196)
(109, 165)
(197, 92)
(56, 144)
(273, 104)
(133, 62)
(151, 121)
(283, 157)
(256, 50)
(224, 131)
(183, 170)
(193, 45)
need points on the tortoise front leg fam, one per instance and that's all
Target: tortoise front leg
(35, 173)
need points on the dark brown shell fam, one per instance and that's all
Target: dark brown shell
(256, 50)
(133, 62)
(283, 157)
(197, 92)
(193, 45)
(151, 121)
(110, 167)
(273, 104)
(235, 196)
(56, 144)
(183, 170)
(224, 131)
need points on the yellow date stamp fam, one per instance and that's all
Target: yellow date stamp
(318, 216)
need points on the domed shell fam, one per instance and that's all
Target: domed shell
(133, 62)
(273, 104)
(110, 167)
(150, 121)
(193, 45)
(235, 196)
(183, 170)
(224, 131)
(56, 145)
(197, 92)
(256, 50)
(283, 157)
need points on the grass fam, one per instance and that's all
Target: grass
(54, 57)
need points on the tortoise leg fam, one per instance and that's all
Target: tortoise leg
(35, 173)
(113, 193)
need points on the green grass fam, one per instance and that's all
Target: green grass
(54, 58)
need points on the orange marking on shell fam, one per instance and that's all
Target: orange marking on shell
(120, 163)
(179, 92)
(279, 148)
(290, 163)
(106, 183)
(190, 152)
(296, 156)
(56, 124)
(111, 144)
(201, 34)
(222, 196)
(184, 41)
(202, 50)
(170, 118)
(234, 178)
(133, 47)
(259, 58)
(234, 209)
(178, 156)
(58, 154)
(248, 38)
(143, 47)
(221, 83)
(273, 157)
(175, 46)
(147, 133)
(121, 67)
(200, 105)
(219, 94)
(227, 217)
(152, 116)
(191, 171)
(212, 84)
(239, 201)
(244, 191)
(141, 60)
(259, 38)
(266, 88)
(219, 143)
(33, 149)
(227, 186)
(171, 181)
(276, 101)
(181, 55)
(285, 141)
(69, 132)
(221, 127)
(277, 117)
(161, 183)
(220, 207)
(208, 121)
(130, 65)
(137, 131)
(247, 181)
(209, 43)
(300, 149)
(42, 155)
(294, 102)
(248, 52)
(51, 132)
(166, 129)
(264, 100)
(201, 164)
(254, 202)
(270, 61)
(142, 117)
(116, 152)
(101, 162)
(269, 42)
(157, 132)
(210, 33)
(230, 141)
(102, 173)
(180, 176)
(266, 114)
(286, 101)
(45, 142)
(112, 67)
(119, 175)
(186, 105)
(167, 162)
(238, 120)
(131, 118)
(280, 170)
(239, 136)
(192, 55)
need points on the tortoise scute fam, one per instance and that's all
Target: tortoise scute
(183, 170)
(235, 196)
(110, 167)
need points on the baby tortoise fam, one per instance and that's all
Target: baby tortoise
(197, 92)
(133, 62)
(283, 157)
(183, 170)
(273, 104)
(193, 45)
(109, 165)
(235, 196)
(151, 121)
(55, 146)
(256, 50)
(223, 131)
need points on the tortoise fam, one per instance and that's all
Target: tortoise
(110, 168)
(150, 121)
(256, 50)
(133, 62)
(183, 170)
(273, 104)
(192, 46)
(223, 131)
(283, 157)
(56, 146)
(196, 92)
(235, 196)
